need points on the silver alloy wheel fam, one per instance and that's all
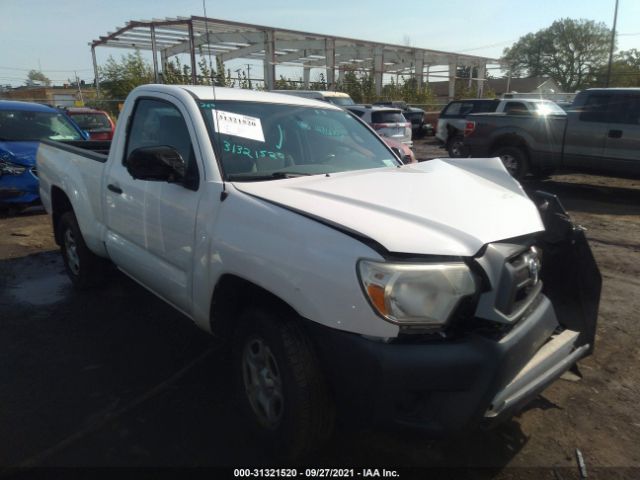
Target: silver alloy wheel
(510, 163)
(263, 382)
(71, 251)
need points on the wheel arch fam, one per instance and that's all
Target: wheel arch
(60, 204)
(510, 140)
(231, 295)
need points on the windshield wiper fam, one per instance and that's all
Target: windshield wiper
(273, 176)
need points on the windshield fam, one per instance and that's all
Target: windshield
(341, 101)
(260, 141)
(549, 108)
(92, 122)
(21, 125)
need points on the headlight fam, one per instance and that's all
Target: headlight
(416, 295)
(8, 168)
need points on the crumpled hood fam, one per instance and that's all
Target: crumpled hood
(20, 152)
(439, 207)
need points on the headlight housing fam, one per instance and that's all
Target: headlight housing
(9, 168)
(416, 295)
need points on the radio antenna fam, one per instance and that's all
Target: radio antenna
(216, 145)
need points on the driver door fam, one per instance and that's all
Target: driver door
(151, 224)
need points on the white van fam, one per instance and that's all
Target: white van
(337, 98)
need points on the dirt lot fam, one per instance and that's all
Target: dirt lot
(116, 377)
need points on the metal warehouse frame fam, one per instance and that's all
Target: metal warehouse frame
(228, 40)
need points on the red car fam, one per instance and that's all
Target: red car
(402, 150)
(96, 122)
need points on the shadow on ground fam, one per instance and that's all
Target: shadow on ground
(590, 197)
(115, 377)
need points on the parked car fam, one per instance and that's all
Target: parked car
(600, 132)
(404, 153)
(451, 123)
(413, 114)
(22, 125)
(386, 121)
(337, 98)
(405, 295)
(97, 122)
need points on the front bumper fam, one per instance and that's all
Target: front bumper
(19, 189)
(444, 386)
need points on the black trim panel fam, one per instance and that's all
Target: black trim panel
(74, 147)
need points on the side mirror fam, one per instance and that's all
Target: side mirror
(85, 134)
(160, 164)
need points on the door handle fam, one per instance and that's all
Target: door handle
(114, 189)
(615, 133)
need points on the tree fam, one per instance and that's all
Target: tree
(118, 78)
(625, 70)
(569, 51)
(36, 77)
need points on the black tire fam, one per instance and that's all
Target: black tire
(456, 147)
(302, 410)
(515, 160)
(85, 269)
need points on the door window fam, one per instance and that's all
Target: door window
(595, 109)
(158, 123)
(625, 109)
(516, 108)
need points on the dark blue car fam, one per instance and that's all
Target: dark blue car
(22, 126)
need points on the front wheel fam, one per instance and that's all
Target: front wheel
(85, 269)
(514, 160)
(280, 384)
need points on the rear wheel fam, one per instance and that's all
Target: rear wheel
(514, 160)
(280, 384)
(85, 269)
(456, 147)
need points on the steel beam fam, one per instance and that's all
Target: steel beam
(269, 61)
(419, 68)
(95, 70)
(482, 71)
(192, 54)
(453, 65)
(378, 68)
(154, 53)
(330, 58)
(242, 52)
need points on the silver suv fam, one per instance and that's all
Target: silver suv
(387, 122)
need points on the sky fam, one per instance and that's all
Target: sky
(53, 36)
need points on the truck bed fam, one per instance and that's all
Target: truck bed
(78, 171)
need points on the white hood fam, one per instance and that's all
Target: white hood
(439, 207)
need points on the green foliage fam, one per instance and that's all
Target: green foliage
(219, 77)
(174, 73)
(625, 70)
(569, 51)
(118, 78)
(35, 77)
(361, 87)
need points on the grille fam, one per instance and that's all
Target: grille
(519, 282)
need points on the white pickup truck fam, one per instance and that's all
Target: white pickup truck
(428, 296)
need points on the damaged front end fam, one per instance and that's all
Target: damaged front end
(570, 275)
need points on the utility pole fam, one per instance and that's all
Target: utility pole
(79, 89)
(613, 44)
